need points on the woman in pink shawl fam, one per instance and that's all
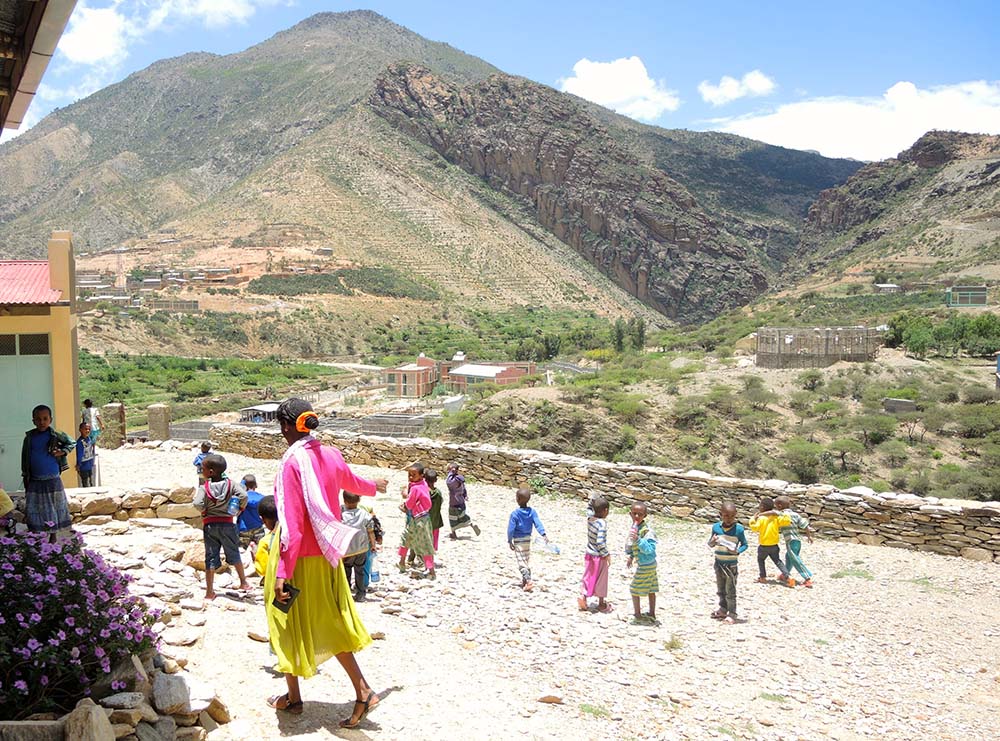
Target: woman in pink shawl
(322, 621)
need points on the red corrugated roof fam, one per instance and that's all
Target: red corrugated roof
(26, 282)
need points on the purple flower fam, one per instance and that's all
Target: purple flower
(21, 685)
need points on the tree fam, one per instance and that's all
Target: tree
(895, 452)
(810, 380)
(637, 332)
(802, 403)
(918, 337)
(618, 335)
(843, 448)
(874, 428)
(802, 459)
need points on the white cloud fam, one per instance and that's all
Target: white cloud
(874, 128)
(211, 13)
(752, 85)
(623, 85)
(96, 36)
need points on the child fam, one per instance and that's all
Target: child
(218, 527)
(437, 522)
(457, 498)
(43, 459)
(85, 456)
(417, 535)
(250, 523)
(379, 534)
(519, 527)
(362, 543)
(767, 524)
(793, 539)
(411, 558)
(729, 541)
(269, 516)
(642, 548)
(206, 448)
(91, 415)
(7, 522)
(598, 558)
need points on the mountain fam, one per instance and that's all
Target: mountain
(929, 214)
(351, 133)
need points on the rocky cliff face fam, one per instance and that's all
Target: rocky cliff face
(637, 225)
(945, 184)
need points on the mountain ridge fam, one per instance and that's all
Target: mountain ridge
(186, 144)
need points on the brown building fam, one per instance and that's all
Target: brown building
(413, 380)
(463, 377)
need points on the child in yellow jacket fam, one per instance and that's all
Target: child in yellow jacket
(269, 514)
(767, 524)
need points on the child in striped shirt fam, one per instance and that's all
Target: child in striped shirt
(728, 541)
(793, 539)
(597, 559)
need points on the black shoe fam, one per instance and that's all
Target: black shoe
(475, 528)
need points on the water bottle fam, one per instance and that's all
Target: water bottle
(234, 505)
(374, 576)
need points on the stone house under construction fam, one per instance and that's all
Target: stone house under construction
(800, 347)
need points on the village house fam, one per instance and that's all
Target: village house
(38, 350)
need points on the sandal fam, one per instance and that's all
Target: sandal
(366, 707)
(295, 708)
(719, 614)
(607, 608)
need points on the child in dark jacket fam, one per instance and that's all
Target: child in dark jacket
(215, 500)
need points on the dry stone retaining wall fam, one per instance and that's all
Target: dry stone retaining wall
(949, 527)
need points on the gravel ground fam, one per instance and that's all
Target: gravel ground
(889, 643)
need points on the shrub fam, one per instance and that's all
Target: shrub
(810, 380)
(977, 395)
(66, 620)
(802, 459)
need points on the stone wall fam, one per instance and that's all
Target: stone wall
(950, 527)
(98, 505)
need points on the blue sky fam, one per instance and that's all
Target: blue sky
(857, 79)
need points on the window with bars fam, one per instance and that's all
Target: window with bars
(8, 345)
(33, 344)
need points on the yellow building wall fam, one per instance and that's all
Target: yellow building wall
(60, 325)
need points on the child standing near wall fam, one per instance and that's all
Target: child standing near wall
(642, 549)
(85, 455)
(767, 524)
(250, 523)
(519, 526)
(729, 541)
(43, 459)
(793, 539)
(206, 448)
(597, 561)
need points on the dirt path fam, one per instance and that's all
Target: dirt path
(889, 643)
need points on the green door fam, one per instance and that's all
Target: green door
(26, 380)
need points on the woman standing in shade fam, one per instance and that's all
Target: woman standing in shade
(322, 621)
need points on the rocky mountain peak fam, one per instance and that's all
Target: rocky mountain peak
(936, 148)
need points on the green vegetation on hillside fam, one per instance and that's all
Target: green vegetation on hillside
(374, 281)
(192, 386)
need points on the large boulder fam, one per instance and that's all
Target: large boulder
(88, 722)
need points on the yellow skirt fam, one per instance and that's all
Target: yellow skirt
(322, 623)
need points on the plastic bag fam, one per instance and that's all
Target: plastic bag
(552, 548)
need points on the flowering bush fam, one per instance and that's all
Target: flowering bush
(66, 619)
